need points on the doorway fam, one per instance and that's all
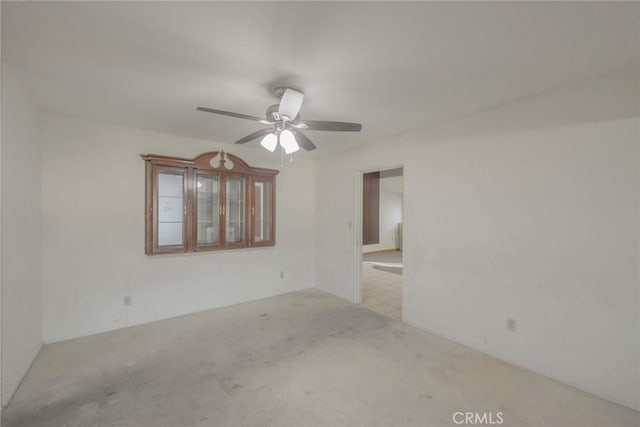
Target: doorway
(381, 250)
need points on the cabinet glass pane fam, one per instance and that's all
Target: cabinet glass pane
(170, 203)
(262, 211)
(208, 197)
(235, 213)
(169, 233)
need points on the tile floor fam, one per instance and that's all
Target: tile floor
(381, 291)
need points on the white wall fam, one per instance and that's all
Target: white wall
(540, 226)
(21, 237)
(536, 222)
(390, 214)
(93, 233)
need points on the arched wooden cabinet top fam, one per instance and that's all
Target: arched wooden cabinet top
(214, 201)
(219, 161)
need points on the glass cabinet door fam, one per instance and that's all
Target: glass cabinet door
(262, 210)
(207, 209)
(170, 217)
(234, 210)
(213, 202)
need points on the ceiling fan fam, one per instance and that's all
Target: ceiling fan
(285, 124)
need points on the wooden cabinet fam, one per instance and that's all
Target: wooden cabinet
(208, 227)
(212, 202)
(169, 213)
(263, 210)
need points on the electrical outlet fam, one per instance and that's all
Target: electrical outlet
(282, 274)
(511, 324)
(127, 300)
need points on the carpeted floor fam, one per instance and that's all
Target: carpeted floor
(301, 359)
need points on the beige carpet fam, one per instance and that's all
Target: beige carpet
(305, 359)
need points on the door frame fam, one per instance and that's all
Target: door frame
(357, 228)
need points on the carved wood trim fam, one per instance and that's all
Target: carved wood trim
(219, 161)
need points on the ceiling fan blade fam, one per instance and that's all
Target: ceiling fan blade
(331, 126)
(255, 135)
(290, 103)
(303, 141)
(230, 114)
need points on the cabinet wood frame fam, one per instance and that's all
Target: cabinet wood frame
(229, 166)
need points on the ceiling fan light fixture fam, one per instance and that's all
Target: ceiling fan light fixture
(288, 142)
(284, 123)
(270, 142)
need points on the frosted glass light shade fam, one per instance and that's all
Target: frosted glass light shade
(288, 142)
(270, 142)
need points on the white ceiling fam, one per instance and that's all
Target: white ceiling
(393, 67)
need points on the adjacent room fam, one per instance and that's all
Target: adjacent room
(381, 280)
(320, 214)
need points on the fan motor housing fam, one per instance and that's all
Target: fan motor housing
(272, 114)
(279, 91)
